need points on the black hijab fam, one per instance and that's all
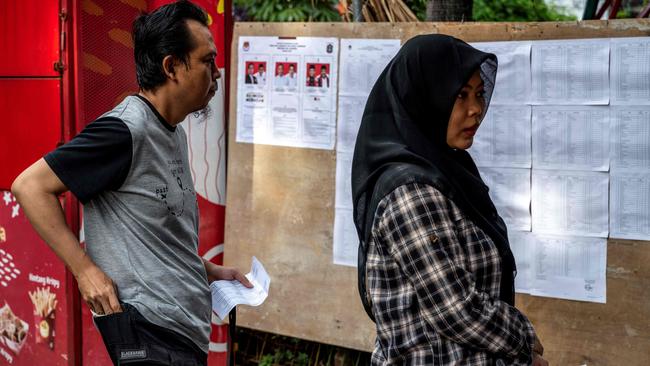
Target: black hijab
(402, 139)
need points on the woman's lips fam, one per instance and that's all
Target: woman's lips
(470, 131)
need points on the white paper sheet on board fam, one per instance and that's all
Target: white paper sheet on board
(629, 205)
(630, 138)
(571, 138)
(570, 203)
(362, 61)
(630, 71)
(513, 78)
(570, 72)
(570, 267)
(346, 241)
(522, 244)
(349, 120)
(503, 139)
(510, 192)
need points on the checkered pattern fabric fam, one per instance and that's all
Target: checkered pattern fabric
(433, 277)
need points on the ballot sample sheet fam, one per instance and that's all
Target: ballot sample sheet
(630, 138)
(570, 267)
(513, 78)
(510, 193)
(570, 72)
(570, 202)
(629, 211)
(630, 71)
(287, 91)
(503, 139)
(227, 294)
(571, 138)
(362, 61)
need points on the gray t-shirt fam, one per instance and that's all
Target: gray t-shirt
(130, 169)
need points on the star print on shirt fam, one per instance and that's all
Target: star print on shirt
(14, 211)
(7, 198)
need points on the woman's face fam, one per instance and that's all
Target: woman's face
(466, 114)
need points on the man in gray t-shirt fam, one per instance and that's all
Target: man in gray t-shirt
(141, 274)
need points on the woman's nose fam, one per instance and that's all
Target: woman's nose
(476, 107)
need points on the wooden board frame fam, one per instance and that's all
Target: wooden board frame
(281, 209)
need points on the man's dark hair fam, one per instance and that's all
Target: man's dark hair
(323, 68)
(261, 66)
(312, 67)
(160, 33)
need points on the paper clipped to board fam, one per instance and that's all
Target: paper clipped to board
(226, 294)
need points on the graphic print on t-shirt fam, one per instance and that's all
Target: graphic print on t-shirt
(175, 194)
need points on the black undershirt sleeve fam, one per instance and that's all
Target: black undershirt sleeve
(97, 159)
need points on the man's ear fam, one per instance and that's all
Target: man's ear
(169, 65)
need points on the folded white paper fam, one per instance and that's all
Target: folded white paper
(227, 294)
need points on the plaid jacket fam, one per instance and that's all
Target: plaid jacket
(433, 277)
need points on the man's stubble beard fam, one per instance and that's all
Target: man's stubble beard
(205, 112)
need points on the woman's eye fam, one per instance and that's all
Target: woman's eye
(462, 95)
(481, 94)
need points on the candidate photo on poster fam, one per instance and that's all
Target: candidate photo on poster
(286, 74)
(318, 75)
(255, 72)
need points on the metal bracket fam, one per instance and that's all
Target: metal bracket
(59, 66)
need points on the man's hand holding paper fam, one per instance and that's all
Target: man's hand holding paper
(226, 294)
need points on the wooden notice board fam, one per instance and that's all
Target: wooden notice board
(280, 208)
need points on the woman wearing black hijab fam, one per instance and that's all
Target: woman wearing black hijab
(436, 270)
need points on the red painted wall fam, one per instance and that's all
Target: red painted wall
(31, 106)
(29, 37)
(31, 110)
(26, 266)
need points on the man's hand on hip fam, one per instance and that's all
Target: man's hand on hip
(98, 290)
